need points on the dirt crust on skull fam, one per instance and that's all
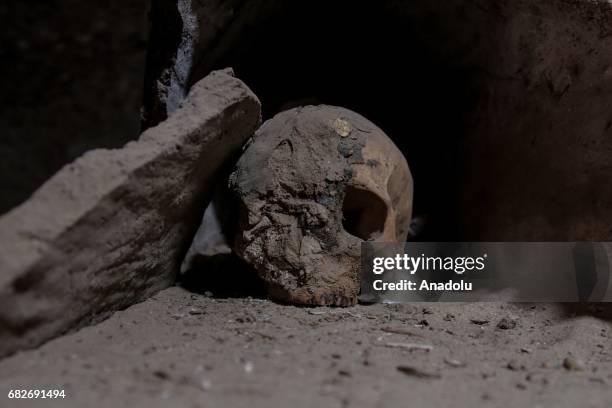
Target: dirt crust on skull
(313, 183)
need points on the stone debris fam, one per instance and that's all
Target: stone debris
(480, 322)
(417, 373)
(454, 363)
(573, 364)
(506, 324)
(410, 346)
(515, 366)
(109, 229)
(449, 317)
(400, 330)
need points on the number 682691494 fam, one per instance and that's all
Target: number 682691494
(31, 394)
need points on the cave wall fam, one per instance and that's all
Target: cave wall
(71, 80)
(185, 38)
(503, 108)
(538, 147)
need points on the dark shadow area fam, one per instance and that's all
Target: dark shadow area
(163, 43)
(368, 59)
(601, 311)
(222, 276)
(363, 213)
(71, 77)
(402, 71)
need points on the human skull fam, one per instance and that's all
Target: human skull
(314, 183)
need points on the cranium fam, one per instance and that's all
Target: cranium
(314, 182)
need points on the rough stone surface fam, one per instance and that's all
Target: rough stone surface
(314, 183)
(110, 229)
(182, 33)
(535, 148)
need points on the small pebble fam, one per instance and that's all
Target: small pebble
(506, 324)
(515, 366)
(161, 374)
(479, 322)
(415, 372)
(205, 384)
(572, 364)
(454, 363)
(344, 373)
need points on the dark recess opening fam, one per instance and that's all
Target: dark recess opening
(366, 58)
(364, 213)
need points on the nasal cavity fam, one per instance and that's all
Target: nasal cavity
(363, 213)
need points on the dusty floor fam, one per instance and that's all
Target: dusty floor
(188, 350)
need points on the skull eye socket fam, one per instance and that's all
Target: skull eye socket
(363, 213)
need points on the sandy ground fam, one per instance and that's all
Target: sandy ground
(183, 349)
